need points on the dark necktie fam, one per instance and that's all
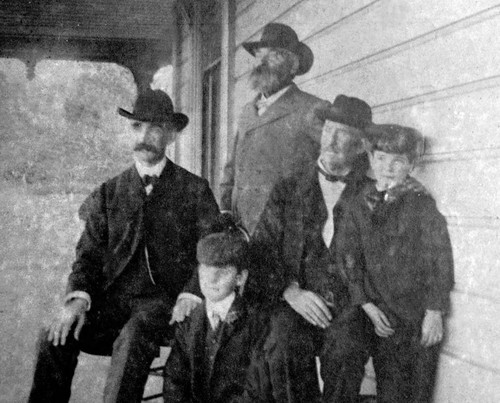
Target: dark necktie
(329, 177)
(150, 180)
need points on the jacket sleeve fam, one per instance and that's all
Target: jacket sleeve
(87, 269)
(177, 374)
(350, 257)
(438, 258)
(227, 184)
(207, 222)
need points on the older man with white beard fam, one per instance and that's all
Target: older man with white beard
(276, 130)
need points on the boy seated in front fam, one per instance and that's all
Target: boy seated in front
(212, 347)
(399, 263)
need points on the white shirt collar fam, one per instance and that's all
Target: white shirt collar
(154, 170)
(272, 98)
(220, 307)
(263, 103)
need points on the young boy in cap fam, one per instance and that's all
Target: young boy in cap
(212, 348)
(398, 260)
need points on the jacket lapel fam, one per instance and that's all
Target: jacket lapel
(127, 209)
(197, 344)
(130, 191)
(307, 209)
(283, 106)
(314, 205)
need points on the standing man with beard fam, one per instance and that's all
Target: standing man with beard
(275, 132)
(135, 263)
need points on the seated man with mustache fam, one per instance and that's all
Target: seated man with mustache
(135, 263)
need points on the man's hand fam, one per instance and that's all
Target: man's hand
(380, 322)
(182, 309)
(73, 311)
(309, 305)
(432, 328)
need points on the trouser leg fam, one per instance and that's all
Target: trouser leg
(424, 373)
(134, 350)
(290, 354)
(54, 370)
(343, 356)
(389, 361)
(404, 369)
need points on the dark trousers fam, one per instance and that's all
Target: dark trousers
(405, 370)
(285, 369)
(130, 330)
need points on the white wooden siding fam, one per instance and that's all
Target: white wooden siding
(434, 66)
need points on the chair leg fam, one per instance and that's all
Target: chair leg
(151, 397)
(154, 371)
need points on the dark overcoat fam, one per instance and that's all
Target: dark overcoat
(405, 254)
(185, 210)
(187, 378)
(295, 209)
(267, 148)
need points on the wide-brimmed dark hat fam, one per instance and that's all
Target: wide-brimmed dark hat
(155, 106)
(397, 139)
(349, 111)
(282, 36)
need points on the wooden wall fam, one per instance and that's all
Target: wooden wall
(434, 66)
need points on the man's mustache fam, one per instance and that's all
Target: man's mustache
(145, 147)
(263, 68)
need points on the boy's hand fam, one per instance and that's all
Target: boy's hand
(73, 311)
(182, 309)
(380, 322)
(309, 305)
(432, 328)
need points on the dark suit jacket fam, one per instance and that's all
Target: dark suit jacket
(240, 333)
(401, 255)
(114, 227)
(295, 208)
(267, 148)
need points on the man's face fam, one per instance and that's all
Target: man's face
(151, 140)
(389, 169)
(340, 145)
(218, 282)
(273, 69)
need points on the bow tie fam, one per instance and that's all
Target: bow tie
(150, 180)
(329, 177)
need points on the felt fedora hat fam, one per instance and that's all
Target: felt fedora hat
(349, 111)
(155, 106)
(282, 36)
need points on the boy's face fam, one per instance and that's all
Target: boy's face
(218, 282)
(389, 169)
